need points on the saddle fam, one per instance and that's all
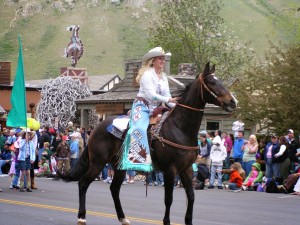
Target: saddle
(157, 114)
(155, 123)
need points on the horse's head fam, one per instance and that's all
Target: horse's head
(214, 90)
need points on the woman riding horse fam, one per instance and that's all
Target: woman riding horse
(174, 149)
(154, 90)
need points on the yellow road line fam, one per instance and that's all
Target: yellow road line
(107, 215)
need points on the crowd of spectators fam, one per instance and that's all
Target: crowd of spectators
(224, 161)
(249, 163)
(26, 154)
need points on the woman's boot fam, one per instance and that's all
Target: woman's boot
(28, 189)
(33, 185)
(22, 189)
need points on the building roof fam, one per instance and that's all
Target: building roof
(124, 91)
(111, 96)
(96, 82)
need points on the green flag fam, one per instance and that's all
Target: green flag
(17, 115)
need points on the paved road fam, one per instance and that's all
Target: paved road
(56, 202)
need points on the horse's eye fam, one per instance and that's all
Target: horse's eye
(211, 82)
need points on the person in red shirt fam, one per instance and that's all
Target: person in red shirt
(235, 181)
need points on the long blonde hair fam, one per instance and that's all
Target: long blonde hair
(145, 66)
(238, 167)
(254, 139)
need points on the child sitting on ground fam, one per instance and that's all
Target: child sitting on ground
(47, 152)
(235, 181)
(255, 176)
(238, 167)
(44, 169)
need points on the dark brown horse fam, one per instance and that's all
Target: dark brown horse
(180, 131)
(74, 50)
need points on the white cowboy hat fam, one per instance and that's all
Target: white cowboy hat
(74, 134)
(154, 52)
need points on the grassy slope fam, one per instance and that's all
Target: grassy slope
(110, 35)
(253, 20)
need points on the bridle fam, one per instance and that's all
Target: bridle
(203, 85)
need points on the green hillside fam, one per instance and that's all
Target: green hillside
(110, 33)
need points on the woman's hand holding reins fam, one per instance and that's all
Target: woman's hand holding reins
(173, 100)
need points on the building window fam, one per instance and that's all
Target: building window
(212, 126)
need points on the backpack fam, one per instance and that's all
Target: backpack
(203, 173)
(271, 186)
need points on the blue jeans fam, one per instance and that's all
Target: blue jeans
(159, 177)
(213, 175)
(17, 175)
(272, 169)
(40, 153)
(149, 177)
(247, 166)
(227, 160)
(104, 173)
(240, 160)
(2, 163)
(73, 162)
(233, 186)
(131, 173)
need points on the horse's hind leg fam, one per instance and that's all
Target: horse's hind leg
(186, 179)
(169, 177)
(83, 185)
(115, 193)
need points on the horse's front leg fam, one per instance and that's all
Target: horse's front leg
(83, 185)
(115, 188)
(186, 179)
(169, 177)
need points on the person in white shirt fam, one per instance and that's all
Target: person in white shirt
(217, 155)
(154, 90)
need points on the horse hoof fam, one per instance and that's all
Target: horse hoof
(125, 221)
(81, 222)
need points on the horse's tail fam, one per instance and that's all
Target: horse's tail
(79, 169)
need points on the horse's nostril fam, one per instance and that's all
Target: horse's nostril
(232, 102)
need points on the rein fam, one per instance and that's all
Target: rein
(165, 141)
(191, 108)
(190, 148)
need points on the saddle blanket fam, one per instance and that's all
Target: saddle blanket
(121, 123)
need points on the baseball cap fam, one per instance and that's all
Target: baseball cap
(274, 135)
(290, 131)
(65, 138)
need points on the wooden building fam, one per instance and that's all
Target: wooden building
(120, 98)
(97, 84)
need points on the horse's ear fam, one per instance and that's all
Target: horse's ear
(206, 70)
(212, 70)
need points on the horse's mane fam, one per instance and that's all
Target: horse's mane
(182, 92)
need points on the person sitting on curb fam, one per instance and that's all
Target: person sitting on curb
(235, 181)
(239, 169)
(249, 184)
(44, 169)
